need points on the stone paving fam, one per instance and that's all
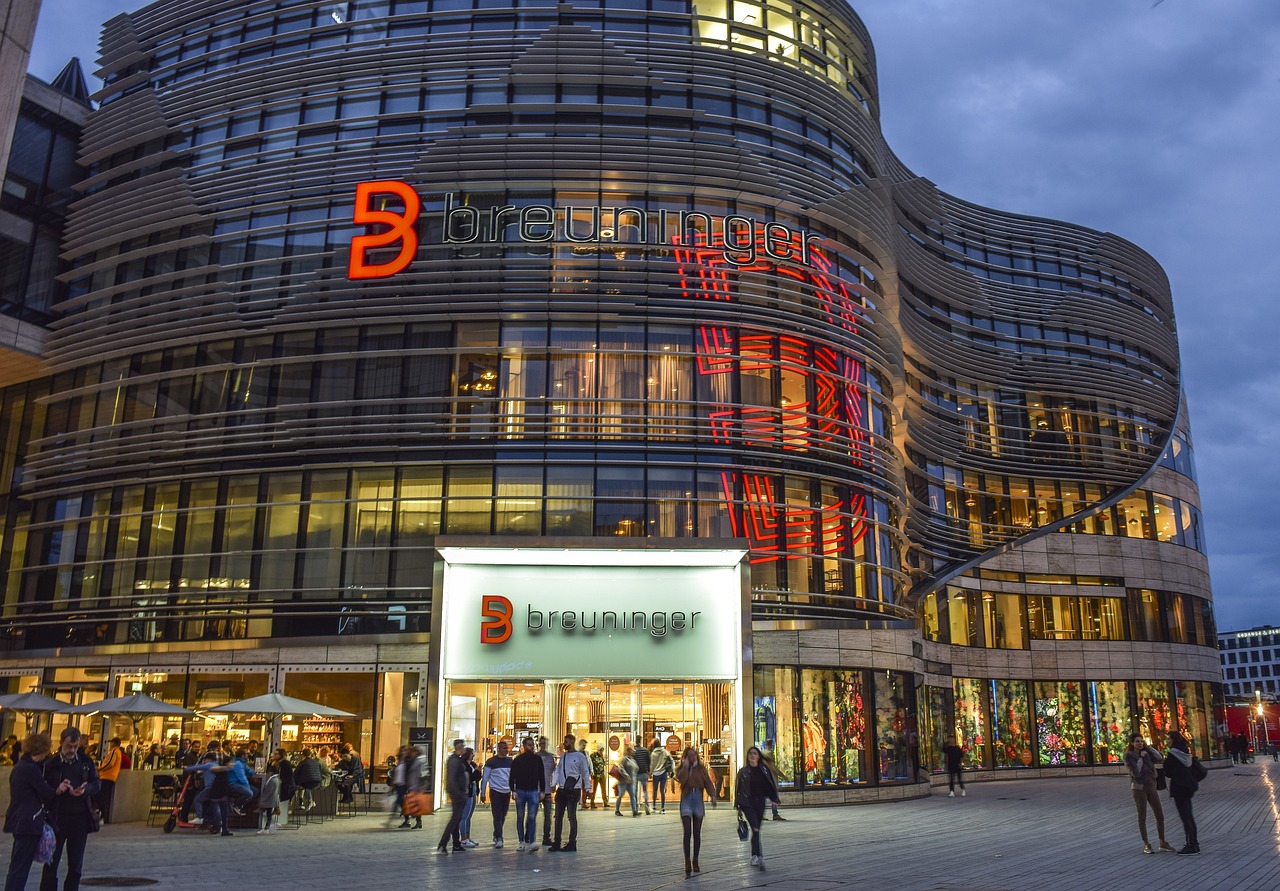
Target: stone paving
(1073, 834)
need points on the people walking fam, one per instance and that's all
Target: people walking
(755, 785)
(457, 785)
(548, 769)
(108, 773)
(411, 781)
(1143, 762)
(495, 779)
(643, 764)
(528, 779)
(71, 811)
(695, 781)
(627, 770)
(29, 796)
(659, 766)
(1180, 767)
(572, 776)
(599, 771)
(955, 764)
(473, 792)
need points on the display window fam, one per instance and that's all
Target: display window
(1060, 736)
(1109, 713)
(1010, 724)
(971, 721)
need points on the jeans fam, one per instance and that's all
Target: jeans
(642, 788)
(567, 801)
(219, 812)
(500, 803)
(527, 815)
(660, 789)
(240, 794)
(1188, 821)
(628, 789)
(20, 860)
(73, 844)
(1142, 797)
(467, 810)
(753, 810)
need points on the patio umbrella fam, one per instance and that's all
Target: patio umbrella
(135, 707)
(272, 705)
(29, 705)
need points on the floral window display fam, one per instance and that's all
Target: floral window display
(1192, 706)
(971, 722)
(896, 737)
(1010, 724)
(939, 709)
(1155, 710)
(1060, 723)
(1109, 716)
(834, 727)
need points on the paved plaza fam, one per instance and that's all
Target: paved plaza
(1074, 834)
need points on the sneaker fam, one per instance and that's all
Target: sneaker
(235, 809)
(497, 842)
(1165, 846)
(951, 794)
(533, 847)
(468, 843)
(521, 847)
(442, 850)
(569, 849)
(780, 818)
(264, 831)
(554, 849)
(197, 821)
(1189, 849)
(1147, 849)
(459, 849)
(963, 793)
(274, 827)
(755, 861)
(225, 833)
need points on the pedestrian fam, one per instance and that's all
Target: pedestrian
(599, 770)
(217, 804)
(282, 767)
(413, 781)
(627, 770)
(1181, 767)
(1143, 762)
(474, 775)
(695, 781)
(755, 785)
(495, 780)
(395, 779)
(29, 796)
(71, 812)
(659, 765)
(528, 779)
(589, 788)
(548, 769)
(643, 765)
(572, 776)
(268, 801)
(955, 764)
(457, 785)
(108, 772)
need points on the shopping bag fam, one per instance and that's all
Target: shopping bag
(415, 804)
(44, 850)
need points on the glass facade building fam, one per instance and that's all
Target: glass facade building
(354, 279)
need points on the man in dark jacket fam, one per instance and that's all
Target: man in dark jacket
(643, 763)
(71, 812)
(458, 784)
(29, 795)
(529, 783)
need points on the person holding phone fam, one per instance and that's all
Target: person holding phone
(75, 777)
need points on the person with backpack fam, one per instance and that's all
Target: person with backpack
(1185, 772)
(659, 765)
(1144, 763)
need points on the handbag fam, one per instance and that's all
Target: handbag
(744, 831)
(615, 773)
(1162, 782)
(415, 804)
(45, 847)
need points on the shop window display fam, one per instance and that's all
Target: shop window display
(1155, 710)
(776, 726)
(1010, 724)
(1060, 723)
(1109, 716)
(939, 713)
(834, 727)
(1192, 705)
(971, 722)
(896, 733)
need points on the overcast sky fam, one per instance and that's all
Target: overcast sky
(1159, 121)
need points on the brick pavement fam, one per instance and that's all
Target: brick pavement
(1073, 834)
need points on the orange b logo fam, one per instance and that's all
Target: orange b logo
(401, 229)
(496, 625)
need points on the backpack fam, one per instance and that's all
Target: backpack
(1198, 770)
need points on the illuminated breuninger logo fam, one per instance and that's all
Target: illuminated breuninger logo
(496, 614)
(741, 241)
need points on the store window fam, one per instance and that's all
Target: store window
(1004, 620)
(971, 721)
(353, 692)
(834, 726)
(1155, 710)
(1109, 716)
(777, 725)
(1192, 704)
(1060, 732)
(1010, 724)
(897, 736)
(939, 714)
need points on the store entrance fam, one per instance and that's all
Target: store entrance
(608, 714)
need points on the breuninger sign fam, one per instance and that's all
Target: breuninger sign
(741, 240)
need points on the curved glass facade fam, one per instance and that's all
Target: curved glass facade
(349, 276)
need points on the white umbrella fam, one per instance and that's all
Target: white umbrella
(135, 707)
(273, 705)
(29, 705)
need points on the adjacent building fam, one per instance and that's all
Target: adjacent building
(487, 369)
